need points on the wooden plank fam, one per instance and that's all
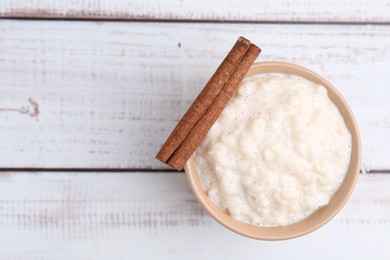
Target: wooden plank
(154, 215)
(252, 10)
(106, 95)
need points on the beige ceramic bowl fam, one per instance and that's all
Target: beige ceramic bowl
(320, 217)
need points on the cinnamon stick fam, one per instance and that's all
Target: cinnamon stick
(201, 128)
(204, 99)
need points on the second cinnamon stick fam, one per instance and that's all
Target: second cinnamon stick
(201, 128)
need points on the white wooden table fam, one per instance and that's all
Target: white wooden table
(89, 90)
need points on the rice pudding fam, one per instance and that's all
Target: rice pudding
(277, 153)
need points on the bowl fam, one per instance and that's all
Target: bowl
(321, 216)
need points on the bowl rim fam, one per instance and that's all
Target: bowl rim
(353, 170)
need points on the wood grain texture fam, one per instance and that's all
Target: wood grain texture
(252, 10)
(107, 95)
(126, 216)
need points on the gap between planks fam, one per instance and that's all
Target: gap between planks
(103, 170)
(115, 170)
(199, 21)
